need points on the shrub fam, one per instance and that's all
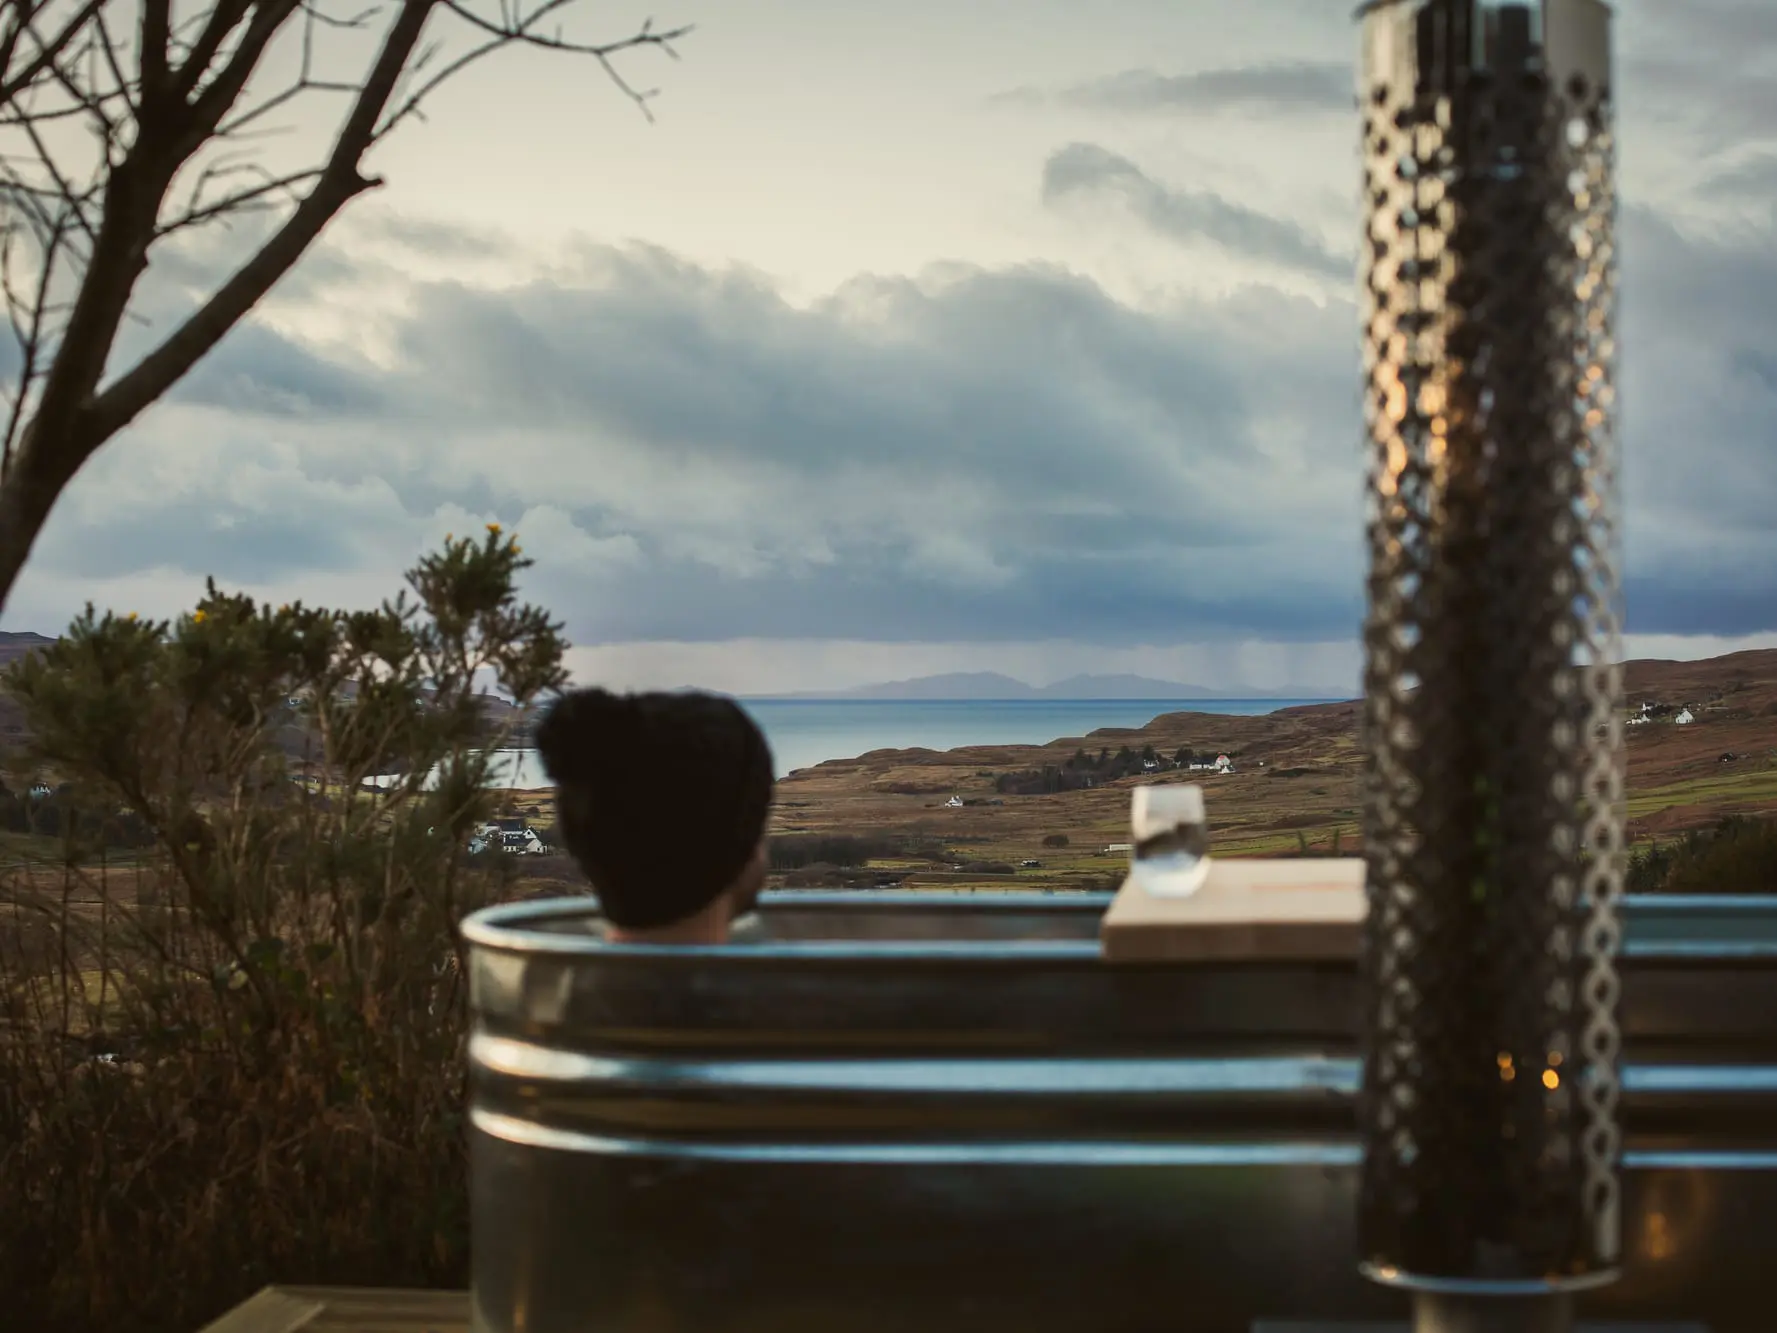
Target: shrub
(1738, 855)
(1055, 840)
(275, 970)
(799, 851)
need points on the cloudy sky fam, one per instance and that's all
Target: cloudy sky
(920, 337)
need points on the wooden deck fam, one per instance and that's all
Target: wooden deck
(347, 1310)
(389, 1310)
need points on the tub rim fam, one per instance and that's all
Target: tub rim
(504, 927)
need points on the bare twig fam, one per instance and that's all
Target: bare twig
(27, 318)
(174, 115)
(264, 194)
(513, 29)
(48, 51)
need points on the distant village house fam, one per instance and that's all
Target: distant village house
(512, 836)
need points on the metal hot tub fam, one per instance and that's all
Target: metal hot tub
(946, 1112)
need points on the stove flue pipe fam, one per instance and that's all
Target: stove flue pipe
(1494, 785)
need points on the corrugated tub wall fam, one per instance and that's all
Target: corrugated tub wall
(947, 1113)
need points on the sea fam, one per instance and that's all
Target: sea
(805, 732)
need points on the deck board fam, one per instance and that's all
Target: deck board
(1248, 910)
(347, 1310)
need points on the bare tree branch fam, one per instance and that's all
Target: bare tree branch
(178, 140)
(235, 202)
(157, 18)
(47, 51)
(305, 81)
(338, 182)
(27, 317)
(223, 19)
(108, 48)
(513, 30)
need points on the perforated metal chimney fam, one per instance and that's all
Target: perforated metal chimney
(1494, 802)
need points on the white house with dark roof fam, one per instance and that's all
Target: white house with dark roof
(512, 836)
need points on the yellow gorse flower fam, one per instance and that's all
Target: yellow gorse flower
(131, 616)
(199, 616)
(493, 529)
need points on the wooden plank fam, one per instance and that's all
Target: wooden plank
(1400, 1326)
(268, 1311)
(1304, 908)
(347, 1310)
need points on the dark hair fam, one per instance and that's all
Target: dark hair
(661, 798)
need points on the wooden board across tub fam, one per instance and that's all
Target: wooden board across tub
(1307, 908)
(347, 1310)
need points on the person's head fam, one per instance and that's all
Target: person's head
(663, 799)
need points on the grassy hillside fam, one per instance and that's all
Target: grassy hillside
(1297, 784)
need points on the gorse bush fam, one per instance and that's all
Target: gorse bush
(794, 851)
(1737, 855)
(230, 1047)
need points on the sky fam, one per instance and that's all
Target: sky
(916, 338)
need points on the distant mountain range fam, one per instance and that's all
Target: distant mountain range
(15, 644)
(992, 685)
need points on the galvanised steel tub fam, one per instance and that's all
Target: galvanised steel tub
(935, 1112)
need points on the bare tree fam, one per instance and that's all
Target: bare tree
(125, 122)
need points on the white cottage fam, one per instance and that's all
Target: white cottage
(512, 836)
(1684, 718)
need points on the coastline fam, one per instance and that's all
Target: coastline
(805, 733)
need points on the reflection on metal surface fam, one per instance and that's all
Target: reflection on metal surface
(1494, 801)
(1657, 1243)
(824, 1127)
(1676, 1218)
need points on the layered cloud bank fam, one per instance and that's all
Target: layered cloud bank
(1022, 457)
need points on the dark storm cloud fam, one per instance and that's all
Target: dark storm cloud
(1289, 87)
(198, 536)
(1699, 409)
(1703, 606)
(1750, 180)
(1089, 173)
(977, 454)
(957, 376)
(1725, 98)
(1703, 71)
(1117, 598)
(982, 453)
(256, 370)
(991, 454)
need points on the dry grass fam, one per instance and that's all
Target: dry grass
(172, 1138)
(1297, 782)
(237, 1057)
